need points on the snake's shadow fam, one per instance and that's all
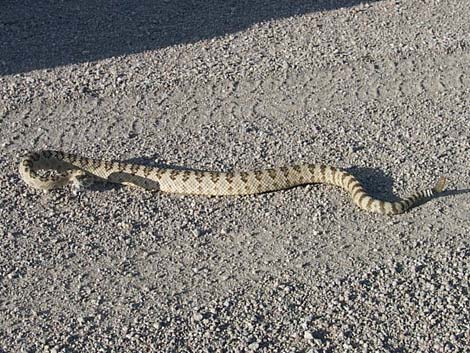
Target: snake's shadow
(374, 180)
(380, 186)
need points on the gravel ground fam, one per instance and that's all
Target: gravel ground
(381, 88)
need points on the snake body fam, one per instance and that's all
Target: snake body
(73, 169)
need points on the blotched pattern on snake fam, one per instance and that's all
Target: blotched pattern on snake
(76, 170)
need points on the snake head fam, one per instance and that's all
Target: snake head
(80, 180)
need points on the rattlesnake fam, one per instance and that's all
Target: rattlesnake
(77, 170)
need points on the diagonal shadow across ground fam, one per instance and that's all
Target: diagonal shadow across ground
(48, 33)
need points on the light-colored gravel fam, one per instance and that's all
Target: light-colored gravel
(382, 88)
